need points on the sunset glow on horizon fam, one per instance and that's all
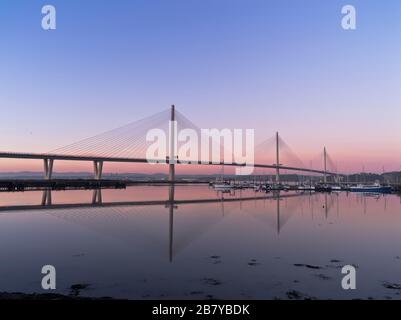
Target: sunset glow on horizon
(271, 66)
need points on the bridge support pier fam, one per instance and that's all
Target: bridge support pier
(98, 169)
(325, 165)
(277, 160)
(173, 134)
(171, 173)
(48, 166)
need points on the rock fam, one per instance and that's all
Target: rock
(76, 288)
(322, 276)
(296, 295)
(393, 286)
(196, 292)
(309, 266)
(211, 281)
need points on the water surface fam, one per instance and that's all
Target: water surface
(260, 247)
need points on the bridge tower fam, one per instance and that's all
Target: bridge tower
(277, 159)
(171, 175)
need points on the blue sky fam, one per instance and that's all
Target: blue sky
(282, 65)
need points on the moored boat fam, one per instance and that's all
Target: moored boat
(222, 186)
(371, 188)
(323, 188)
(304, 187)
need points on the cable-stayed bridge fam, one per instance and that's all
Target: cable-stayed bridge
(129, 143)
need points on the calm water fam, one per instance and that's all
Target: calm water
(252, 249)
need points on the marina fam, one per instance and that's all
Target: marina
(267, 187)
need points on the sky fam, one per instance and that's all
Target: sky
(284, 65)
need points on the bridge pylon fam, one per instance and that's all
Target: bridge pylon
(172, 155)
(277, 159)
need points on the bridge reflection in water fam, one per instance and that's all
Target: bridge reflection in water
(109, 217)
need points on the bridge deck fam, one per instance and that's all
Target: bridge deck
(14, 155)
